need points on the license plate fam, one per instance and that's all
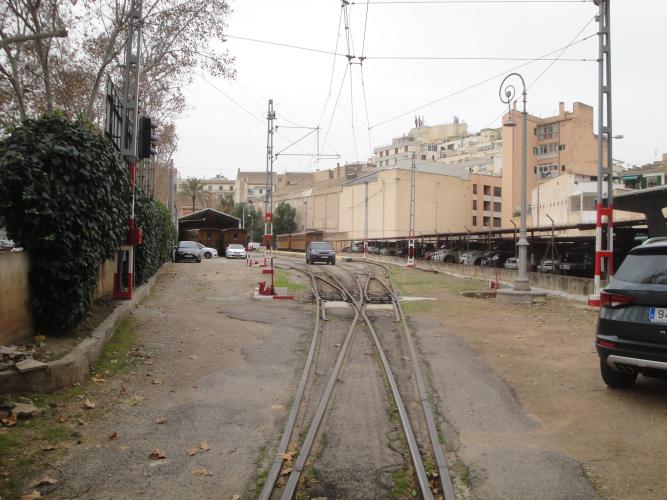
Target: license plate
(657, 314)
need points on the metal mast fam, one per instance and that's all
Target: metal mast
(128, 141)
(604, 250)
(366, 220)
(411, 236)
(268, 213)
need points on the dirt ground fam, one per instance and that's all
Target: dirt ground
(545, 354)
(216, 371)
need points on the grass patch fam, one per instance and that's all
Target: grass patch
(282, 278)
(461, 472)
(115, 355)
(403, 485)
(22, 446)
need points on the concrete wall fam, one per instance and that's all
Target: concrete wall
(15, 317)
(15, 320)
(573, 285)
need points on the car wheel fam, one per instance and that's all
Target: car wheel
(199, 260)
(333, 262)
(614, 379)
(208, 255)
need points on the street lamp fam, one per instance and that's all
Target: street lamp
(507, 92)
(243, 213)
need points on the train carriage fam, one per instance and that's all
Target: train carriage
(298, 242)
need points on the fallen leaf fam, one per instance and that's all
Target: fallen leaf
(9, 421)
(157, 454)
(288, 455)
(277, 407)
(45, 481)
(49, 447)
(81, 422)
(61, 419)
(337, 345)
(204, 446)
(236, 497)
(88, 404)
(148, 362)
(98, 379)
(161, 420)
(193, 357)
(113, 435)
(158, 381)
(30, 496)
(192, 451)
(123, 389)
(286, 471)
(201, 472)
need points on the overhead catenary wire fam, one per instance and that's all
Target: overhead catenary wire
(473, 85)
(417, 2)
(333, 113)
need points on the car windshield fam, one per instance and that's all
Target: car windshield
(235, 246)
(188, 244)
(645, 269)
(320, 245)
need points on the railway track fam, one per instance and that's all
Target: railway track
(360, 285)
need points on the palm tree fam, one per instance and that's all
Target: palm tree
(194, 188)
(227, 203)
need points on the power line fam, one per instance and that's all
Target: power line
(333, 68)
(472, 86)
(416, 2)
(333, 113)
(368, 122)
(354, 136)
(363, 43)
(562, 52)
(279, 44)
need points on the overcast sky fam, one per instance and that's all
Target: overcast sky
(217, 136)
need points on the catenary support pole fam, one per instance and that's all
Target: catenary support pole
(411, 235)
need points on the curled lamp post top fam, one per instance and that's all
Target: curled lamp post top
(507, 92)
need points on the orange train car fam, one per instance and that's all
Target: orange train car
(298, 242)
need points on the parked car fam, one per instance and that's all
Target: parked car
(577, 262)
(320, 251)
(207, 252)
(6, 245)
(471, 257)
(235, 250)
(631, 333)
(187, 250)
(549, 266)
(254, 245)
(352, 249)
(497, 259)
(446, 255)
(511, 263)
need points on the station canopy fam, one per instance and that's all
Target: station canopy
(208, 218)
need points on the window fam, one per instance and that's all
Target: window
(210, 188)
(260, 191)
(496, 206)
(497, 191)
(231, 188)
(474, 189)
(395, 151)
(423, 157)
(486, 221)
(561, 147)
(474, 204)
(562, 167)
(487, 190)
(547, 131)
(220, 188)
(405, 149)
(474, 220)
(487, 205)
(496, 222)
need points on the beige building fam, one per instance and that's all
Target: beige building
(571, 199)
(556, 145)
(422, 140)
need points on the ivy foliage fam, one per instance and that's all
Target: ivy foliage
(159, 236)
(64, 197)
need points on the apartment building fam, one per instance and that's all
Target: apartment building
(218, 187)
(423, 140)
(556, 145)
(250, 186)
(646, 176)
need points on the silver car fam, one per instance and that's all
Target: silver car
(235, 250)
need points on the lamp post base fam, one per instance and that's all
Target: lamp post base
(521, 284)
(513, 296)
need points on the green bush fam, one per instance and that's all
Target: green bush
(159, 236)
(64, 197)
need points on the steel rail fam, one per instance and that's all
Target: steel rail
(422, 476)
(308, 442)
(441, 460)
(272, 476)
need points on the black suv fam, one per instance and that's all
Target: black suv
(632, 327)
(320, 250)
(187, 250)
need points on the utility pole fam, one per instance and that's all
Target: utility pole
(123, 279)
(268, 214)
(604, 251)
(365, 219)
(411, 236)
